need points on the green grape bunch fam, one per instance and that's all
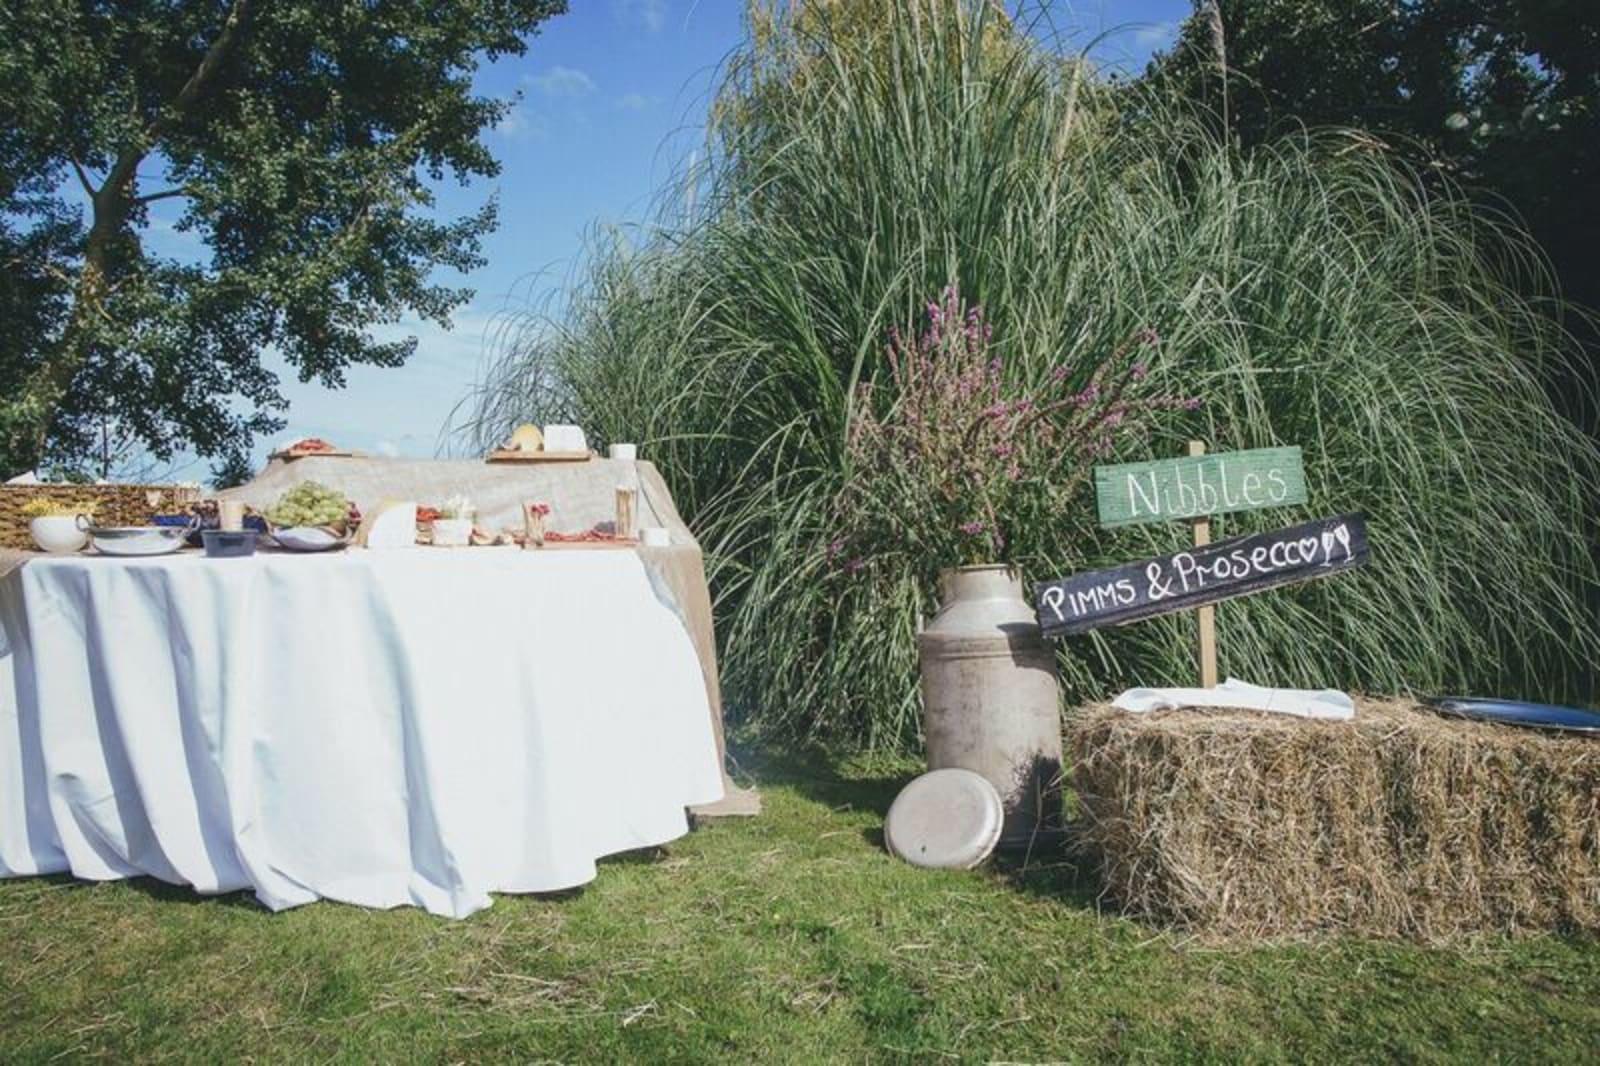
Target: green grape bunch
(309, 504)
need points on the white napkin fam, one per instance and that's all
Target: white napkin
(1303, 703)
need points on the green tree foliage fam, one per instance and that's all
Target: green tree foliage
(232, 469)
(1501, 95)
(300, 139)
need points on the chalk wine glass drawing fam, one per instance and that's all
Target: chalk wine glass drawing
(950, 452)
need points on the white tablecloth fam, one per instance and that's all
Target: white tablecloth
(418, 726)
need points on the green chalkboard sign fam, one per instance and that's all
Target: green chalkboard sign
(1169, 490)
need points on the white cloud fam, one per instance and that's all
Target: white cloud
(1155, 35)
(448, 352)
(636, 102)
(520, 124)
(651, 14)
(563, 81)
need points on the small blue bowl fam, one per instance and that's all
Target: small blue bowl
(229, 543)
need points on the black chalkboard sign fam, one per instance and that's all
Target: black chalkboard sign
(1199, 576)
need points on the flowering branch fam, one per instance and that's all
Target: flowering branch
(960, 452)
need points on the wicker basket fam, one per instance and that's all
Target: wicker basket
(114, 505)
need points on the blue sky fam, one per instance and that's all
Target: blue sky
(609, 100)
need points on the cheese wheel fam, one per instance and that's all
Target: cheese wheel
(391, 524)
(526, 438)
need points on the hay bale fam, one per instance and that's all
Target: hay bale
(1401, 823)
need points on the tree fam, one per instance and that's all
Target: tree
(231, 470)
(1502, 95)
(299, 138)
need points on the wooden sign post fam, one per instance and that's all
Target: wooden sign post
(1192, 489)
(1208, 614)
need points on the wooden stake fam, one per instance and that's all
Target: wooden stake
(1208, 615)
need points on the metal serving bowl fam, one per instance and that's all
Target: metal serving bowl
(135, 540)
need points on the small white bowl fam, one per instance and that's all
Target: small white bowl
(58, 534)
(452, 532)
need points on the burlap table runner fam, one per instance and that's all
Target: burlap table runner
(10, 559)
(580, 495)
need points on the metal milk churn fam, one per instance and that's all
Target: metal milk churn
(990, 699)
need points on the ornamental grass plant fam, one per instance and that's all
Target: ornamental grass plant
(1310, 293)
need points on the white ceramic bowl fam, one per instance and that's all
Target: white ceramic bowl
(58, 534)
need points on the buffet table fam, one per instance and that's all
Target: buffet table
(579, 494)
(417, 726)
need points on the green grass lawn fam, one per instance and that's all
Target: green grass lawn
(791, 937)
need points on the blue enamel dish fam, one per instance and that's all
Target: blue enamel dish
(1512, 712)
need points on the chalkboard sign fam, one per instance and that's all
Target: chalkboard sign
(1173, 489)
(1199, 576)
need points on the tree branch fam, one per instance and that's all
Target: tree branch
(130, 157)
(83, 179)
(203, 75)
(162, 195)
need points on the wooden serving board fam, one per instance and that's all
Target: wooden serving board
(585, 545)
(505, 455)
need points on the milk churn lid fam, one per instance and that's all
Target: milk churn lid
(949, 819)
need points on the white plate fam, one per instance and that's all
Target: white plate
(948, 819)
(307, 539)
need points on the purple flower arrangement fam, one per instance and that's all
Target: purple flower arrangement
(951, 452)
